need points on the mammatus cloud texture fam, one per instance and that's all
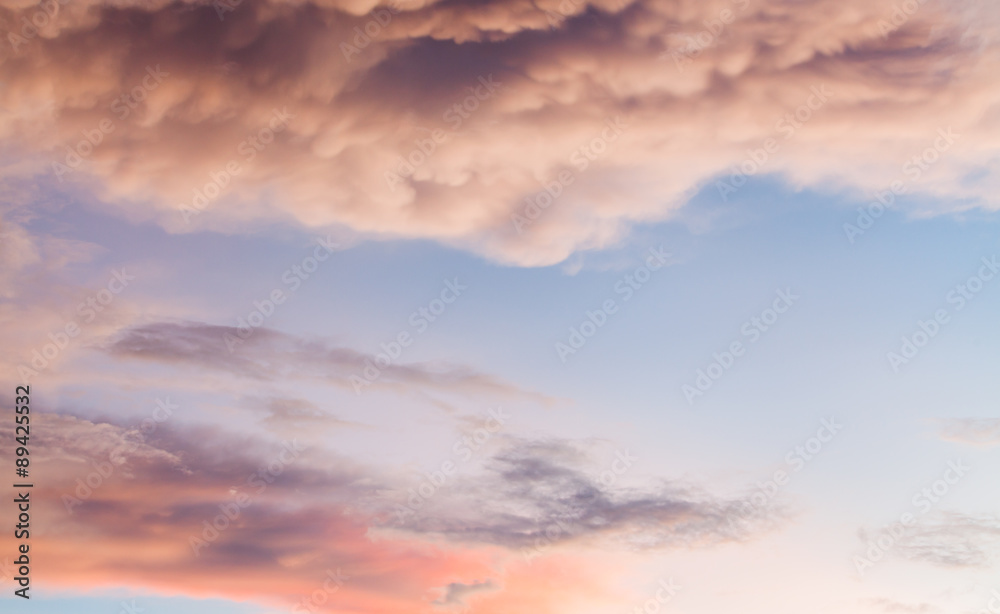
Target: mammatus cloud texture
(289, 112)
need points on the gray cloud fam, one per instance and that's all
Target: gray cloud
(952, 539)
(270, 355)
(549, 492)
(318, 507)
(456, 592)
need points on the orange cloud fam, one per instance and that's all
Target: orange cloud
(203, 513)
(97, 523)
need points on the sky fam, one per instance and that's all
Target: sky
(562, 306)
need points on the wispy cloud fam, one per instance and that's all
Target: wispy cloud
(898, 607)
(530, 487)
(952, 539)
(984, 432)
(456, 592)
(323, 511)
(270, 355)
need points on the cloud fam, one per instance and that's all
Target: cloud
(270, 355)
(542, 493)
(302, 517)
(456, 592)
(946, 539)
(895, 607)
(953, 539)
(295, 415)
(566, 69)
(25, 256)
(139, 519)
(983, 432)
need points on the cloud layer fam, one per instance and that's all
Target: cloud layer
(954, 540)
(209, 513)
(270, 355)
(984, 432)
(697, 88)
(541, 494)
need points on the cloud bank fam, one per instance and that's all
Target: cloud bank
(211, 513)
(264, 110)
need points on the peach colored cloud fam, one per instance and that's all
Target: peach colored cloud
(134, 528)
(690, 112)
(98, 522)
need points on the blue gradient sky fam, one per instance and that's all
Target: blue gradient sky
(486, 469)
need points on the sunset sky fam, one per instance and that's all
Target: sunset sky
(502, 306)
